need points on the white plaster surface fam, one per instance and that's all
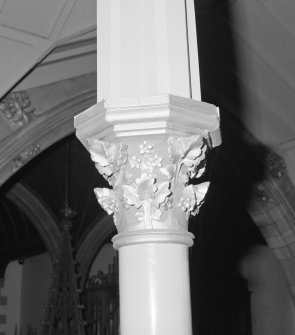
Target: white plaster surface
(154, 289)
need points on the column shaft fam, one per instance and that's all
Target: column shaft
(154, 289)
(147, 47)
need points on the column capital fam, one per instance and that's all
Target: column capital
(149, 149)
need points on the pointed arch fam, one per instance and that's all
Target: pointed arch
(40, 216)
(101, 229)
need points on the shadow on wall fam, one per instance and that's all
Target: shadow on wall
(224, 231)
(267, 284)
(25, 289)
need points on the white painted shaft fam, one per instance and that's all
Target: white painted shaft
(147, 47)
(154, 289)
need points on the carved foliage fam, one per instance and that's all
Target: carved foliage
(109, 159)
(262, 194)
(157, 192)
(16, 107)
(188, 158)
(276, 165)
(25, 156)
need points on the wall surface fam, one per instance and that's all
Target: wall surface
(36, 280)
(272, 310)
(12, 291)
(103, 259)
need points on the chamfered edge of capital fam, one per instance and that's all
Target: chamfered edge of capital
(114, 119)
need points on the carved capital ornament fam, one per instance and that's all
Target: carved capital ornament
(149, 162)
(149, 191)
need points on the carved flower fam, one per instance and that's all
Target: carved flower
(188, 199)
(145, 148)
(134, 162)
(109, 158)
(187, 204)
(167, 203)
(193, 197)
(107, 200)
(156, 161)
(148, 163)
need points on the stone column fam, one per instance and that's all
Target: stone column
(148, 137)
